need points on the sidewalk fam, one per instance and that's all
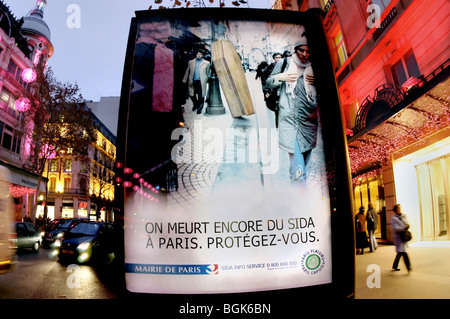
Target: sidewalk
(429, 278)
(238, 145)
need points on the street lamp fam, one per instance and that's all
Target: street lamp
(215, 105)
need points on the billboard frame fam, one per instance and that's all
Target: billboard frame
(336, 154)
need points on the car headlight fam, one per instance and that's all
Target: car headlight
(59, 235)
(84, 246)
(58, 243)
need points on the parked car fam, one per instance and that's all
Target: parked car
(86, 241)
(55, 230)
(8, 241)
(28, 236)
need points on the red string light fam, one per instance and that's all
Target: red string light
(18, 191)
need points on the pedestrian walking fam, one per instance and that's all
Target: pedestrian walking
(197, 75)
(399, 224)
(372, 225)
(298, 120)
(361, 234)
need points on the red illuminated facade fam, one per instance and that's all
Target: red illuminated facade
(391, 59)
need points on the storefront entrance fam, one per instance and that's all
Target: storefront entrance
(370, 189)
(434, 182)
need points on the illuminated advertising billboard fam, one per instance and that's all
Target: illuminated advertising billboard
(232, 173)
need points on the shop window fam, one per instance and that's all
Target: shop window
(405, 68)
(432, 179)
(368, 191)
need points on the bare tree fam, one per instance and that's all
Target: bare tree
(57, 120)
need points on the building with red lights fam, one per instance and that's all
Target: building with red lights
(22, 43)
(391, 59)
(72, 187)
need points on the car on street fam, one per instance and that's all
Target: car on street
(28, 236)
(86, 241)
(55, 230)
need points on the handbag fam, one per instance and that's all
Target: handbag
(405, 235)
(272, 100)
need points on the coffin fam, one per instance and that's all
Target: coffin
(228, 66)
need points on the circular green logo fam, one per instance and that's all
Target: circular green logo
(313, 262)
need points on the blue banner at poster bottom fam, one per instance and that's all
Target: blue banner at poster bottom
(157, 269)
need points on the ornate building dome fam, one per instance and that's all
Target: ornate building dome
(37, 32)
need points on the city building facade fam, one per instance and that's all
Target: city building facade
(23, 43)
(73, 185)
(391, 59)
(81, 185)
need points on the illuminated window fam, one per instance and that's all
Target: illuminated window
(340, 47)
(405, 68)
(68, 165)
(323, 3)
(53, 165)
(8, 104)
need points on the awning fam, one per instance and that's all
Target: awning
(422, 112)
(21, 177)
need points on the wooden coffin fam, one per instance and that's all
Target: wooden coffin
(228, 66)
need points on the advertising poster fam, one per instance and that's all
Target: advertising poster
(221, 192)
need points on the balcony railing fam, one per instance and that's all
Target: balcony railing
(386, 22)
(392, 96)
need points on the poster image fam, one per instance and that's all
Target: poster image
(224, 195)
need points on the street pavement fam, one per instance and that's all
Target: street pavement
(41, 276)
(220, 150)
(429, 278)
